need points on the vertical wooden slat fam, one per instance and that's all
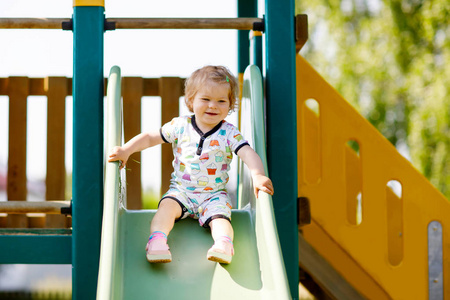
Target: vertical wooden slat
(36, 220)
(56, 90)
(169, 90)
(132, 91)
(18, 88)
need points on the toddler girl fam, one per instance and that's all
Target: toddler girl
(203, 146)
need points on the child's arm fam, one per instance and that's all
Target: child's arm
(254, 163)
(138, 143)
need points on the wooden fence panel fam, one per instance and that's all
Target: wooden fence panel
(18, 88)
(56, 90)
(132, 91)
(169, 90)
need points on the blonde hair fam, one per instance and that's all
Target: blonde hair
(217, 74)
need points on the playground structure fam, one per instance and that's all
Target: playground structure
(257, 271)
(364, 240)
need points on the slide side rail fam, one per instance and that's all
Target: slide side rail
(252, 123)
(113, 191)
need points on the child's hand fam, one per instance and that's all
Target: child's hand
(262, 183)
(118, 154)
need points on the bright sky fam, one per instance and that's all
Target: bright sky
(146, 53)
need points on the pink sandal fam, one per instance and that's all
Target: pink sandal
(222, 251)
(157, 248)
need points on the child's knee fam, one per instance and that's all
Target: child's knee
(172, 206)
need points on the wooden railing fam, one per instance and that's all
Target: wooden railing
(56, 89)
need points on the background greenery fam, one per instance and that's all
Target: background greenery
(389, 59)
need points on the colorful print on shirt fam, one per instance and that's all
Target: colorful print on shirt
(201, 160)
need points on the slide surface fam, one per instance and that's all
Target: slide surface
(257, 270)
(190, 273)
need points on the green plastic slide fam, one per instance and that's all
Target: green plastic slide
(257, 270)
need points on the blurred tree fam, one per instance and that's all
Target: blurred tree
(388, 58)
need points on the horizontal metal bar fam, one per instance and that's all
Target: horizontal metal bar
(35, 249)
(23, 207)
(141, 23)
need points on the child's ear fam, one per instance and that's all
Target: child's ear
(189, 102)
(232, 106)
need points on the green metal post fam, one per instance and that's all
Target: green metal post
(246, 9)
(256, 50)
(281, 127)
(87, 184)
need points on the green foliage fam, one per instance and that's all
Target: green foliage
(150, 199)
(388, 58)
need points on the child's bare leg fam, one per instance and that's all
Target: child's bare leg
(222, 232)
(221, 227)
(162, 223)
(168, 211)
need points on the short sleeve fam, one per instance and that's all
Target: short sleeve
(235, 139)
(170, 129)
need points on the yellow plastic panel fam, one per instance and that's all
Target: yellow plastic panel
(353, 184)
(311, 137)
(341, 261)
(390, 243)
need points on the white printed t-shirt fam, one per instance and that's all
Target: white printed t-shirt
(201, 160)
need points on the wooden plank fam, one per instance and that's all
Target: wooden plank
(17, 146)
(132, 91)
(36, 220)
(169, 88)
(56, 90)
(32, 23)
(37, 87)
(36, 207)
(185, 23)
(138, 23)
(151, 87)
(4, 86)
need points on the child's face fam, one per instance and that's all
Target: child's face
(211, 105)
